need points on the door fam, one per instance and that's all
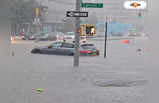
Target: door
(66, 49)
(55, 48)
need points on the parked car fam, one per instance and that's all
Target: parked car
(17, 37)
(43, 37)
(137, 34)
(57, 48)
(60, 37)
(89, 49)
(31, 37)
(63, 48)
(69, 35)
(83, 39)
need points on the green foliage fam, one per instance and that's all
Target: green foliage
(23, 11)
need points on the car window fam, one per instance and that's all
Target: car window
(87, 45)
(68, 45)
(56, 45)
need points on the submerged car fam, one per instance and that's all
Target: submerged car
(63, 48)
(88, 49)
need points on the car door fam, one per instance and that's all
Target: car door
(67, 49)
(54, 48)
(47, 50)
(60, 50)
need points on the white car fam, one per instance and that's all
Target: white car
(69, 35)
(59, 37)
(83, 39)
(17, 38)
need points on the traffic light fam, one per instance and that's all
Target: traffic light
(80, 31)
(135, 4)
(37, 12)
(93, 30)
(90, 30)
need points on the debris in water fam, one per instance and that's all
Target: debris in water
(39, 90)
(125, 41)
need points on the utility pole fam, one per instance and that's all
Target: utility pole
(77, 26)
(106, 34)
(108, 19)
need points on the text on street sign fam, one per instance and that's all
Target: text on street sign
(76, 14)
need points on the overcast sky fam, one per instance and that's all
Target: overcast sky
(112, 8)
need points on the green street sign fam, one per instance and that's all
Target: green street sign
(92, 5)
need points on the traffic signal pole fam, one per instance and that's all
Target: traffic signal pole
(77, 26)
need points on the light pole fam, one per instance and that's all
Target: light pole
(77, 25)
(106, 34)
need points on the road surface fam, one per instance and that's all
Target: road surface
(117, 79)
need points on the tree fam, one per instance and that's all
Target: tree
(23, 12)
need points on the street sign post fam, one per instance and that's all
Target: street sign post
(108, 19)
(79, 14)
(106, 35)
(76, 14)
(77, 25)
(92, 5)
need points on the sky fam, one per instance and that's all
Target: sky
(112, 8)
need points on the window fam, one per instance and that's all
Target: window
(68, 45)
(56, 45)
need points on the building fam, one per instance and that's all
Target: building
(122, 20)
